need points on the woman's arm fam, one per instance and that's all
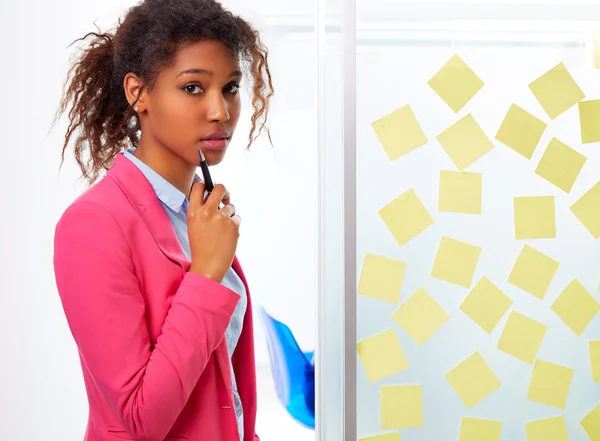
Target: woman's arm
(145, 389)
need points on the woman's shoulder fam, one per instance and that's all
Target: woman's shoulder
(102, 204)
(92, 228)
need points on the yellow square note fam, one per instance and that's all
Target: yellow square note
(382, 355)
(550, 384)
(522, 337)
(595, 359)
(401, 407)
(589, 117)
(381, 278)
(535, 217)
(521, 131)
(556, 91)
(560, 165)
(587, 210)
(406, 217)
(465, 142)
(476, 429)
(460, 192)
(420, 316)
(456, 83)
(455, 262)
(399, 132)
(486, 304)
(591, 424)
(533, 272)
(386, 437)
(576, 307)
(549, 429)
(473, 380)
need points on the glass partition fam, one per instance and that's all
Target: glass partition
(476, 263)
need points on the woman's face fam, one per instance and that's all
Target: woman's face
(195, 102)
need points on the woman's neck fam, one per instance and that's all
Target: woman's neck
(167, 164)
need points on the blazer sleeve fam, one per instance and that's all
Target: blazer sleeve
(145, 388)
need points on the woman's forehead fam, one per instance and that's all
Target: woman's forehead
(208, 55)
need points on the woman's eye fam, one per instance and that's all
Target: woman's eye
(192, 89)
(232, 88)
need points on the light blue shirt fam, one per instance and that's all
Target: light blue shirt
(176, 205)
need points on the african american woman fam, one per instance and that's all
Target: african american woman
(144, 259)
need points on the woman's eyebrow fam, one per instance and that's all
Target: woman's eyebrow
(235, 73)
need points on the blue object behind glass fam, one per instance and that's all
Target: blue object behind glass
(293, 371)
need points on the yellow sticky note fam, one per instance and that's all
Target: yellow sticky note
(595, 359)
(533, 272)
(460, 192)
(386, 437)
(406, 217)
(576, 307)
(549, 429)
(473, 380)
(560, 165)
(534, 217)
(589, 120)
(522, 337)
(521, 131)
(420, 316)
(456, 83)
(465, 142)
(591, 424)
(455, 262)
(399, 132)
(587, 210)
(486, 304)
(556, 90)
(476, 429)
(401, 407)
(382, 355)
(381, 278)
(550, 384)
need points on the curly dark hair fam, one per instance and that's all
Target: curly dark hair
(144, 42)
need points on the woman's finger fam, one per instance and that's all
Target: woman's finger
(197, 195)
(216, 197)
(226, 197)
(228, 210)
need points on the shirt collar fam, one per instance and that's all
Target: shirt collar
(166, 192)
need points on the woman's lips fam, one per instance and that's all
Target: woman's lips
(217, 140)
(215, 144)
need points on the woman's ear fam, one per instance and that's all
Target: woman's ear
(134, 89)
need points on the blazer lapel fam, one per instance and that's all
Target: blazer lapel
(222, 352)
(142, 196)
(162, 231)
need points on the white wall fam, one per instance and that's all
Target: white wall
(41, 388)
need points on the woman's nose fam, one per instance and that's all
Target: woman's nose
(217, 108)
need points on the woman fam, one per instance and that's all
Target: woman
(145, 262)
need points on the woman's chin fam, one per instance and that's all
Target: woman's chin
(214, 157)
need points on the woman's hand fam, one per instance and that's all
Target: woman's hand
(213, 232)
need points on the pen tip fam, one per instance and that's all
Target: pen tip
(202, 158)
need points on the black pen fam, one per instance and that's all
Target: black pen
(205, 173)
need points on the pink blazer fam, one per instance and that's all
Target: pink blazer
(150, 334)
